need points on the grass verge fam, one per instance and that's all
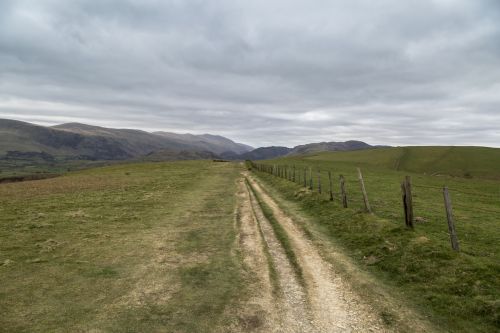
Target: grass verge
(459, 292)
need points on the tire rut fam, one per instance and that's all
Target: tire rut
(326, 303)
(258, 314)
(292, 304)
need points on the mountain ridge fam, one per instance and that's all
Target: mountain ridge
(89, 142)
(82, 141)
(263, 153)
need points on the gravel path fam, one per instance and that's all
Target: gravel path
(324, 303)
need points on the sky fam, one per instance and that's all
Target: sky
(261, 72)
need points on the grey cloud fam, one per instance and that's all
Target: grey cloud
(262, 72)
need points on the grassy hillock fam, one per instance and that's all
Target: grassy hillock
(472, 162)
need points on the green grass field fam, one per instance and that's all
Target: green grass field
(469, 162)
(131, 248)
(40, 168)
(145, 247)
(459, 292)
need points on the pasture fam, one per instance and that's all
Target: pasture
(127, 248)
(457, 291)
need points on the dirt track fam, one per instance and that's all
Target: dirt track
(322, 303)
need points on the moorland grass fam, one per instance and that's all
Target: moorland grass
(470, 162)
(127, 248)
(459, 292)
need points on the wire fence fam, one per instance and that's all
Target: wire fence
(388, 198)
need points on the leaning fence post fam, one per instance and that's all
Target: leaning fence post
(342, 191)
(330, 183)
(449, 217)
(363, 190)
(407, 201)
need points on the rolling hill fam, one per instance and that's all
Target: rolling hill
(80, 141)
(329, 146)
(207, 142)
(265, 153)
(481, 162)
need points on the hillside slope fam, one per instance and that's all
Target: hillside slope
(206, 142)
(179, 155)
(329, 146)
(82, 141)
(265, 153)
(480, 162)
(25, 137)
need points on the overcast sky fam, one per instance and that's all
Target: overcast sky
(262, 72)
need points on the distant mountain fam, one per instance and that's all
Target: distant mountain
(207, 142)
(265, 153)
(329, 146)
(17, 136)
(80, 141)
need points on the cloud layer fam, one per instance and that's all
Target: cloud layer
(262, 72)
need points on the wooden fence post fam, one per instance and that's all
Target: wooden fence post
(319, 181)
(293, 173)
(449, 216)
(342, 191)
(330, 185)
(310, 178)
(403, 197)
(363, 190)
(305, 177)
(407, 201)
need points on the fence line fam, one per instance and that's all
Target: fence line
(290, 174)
